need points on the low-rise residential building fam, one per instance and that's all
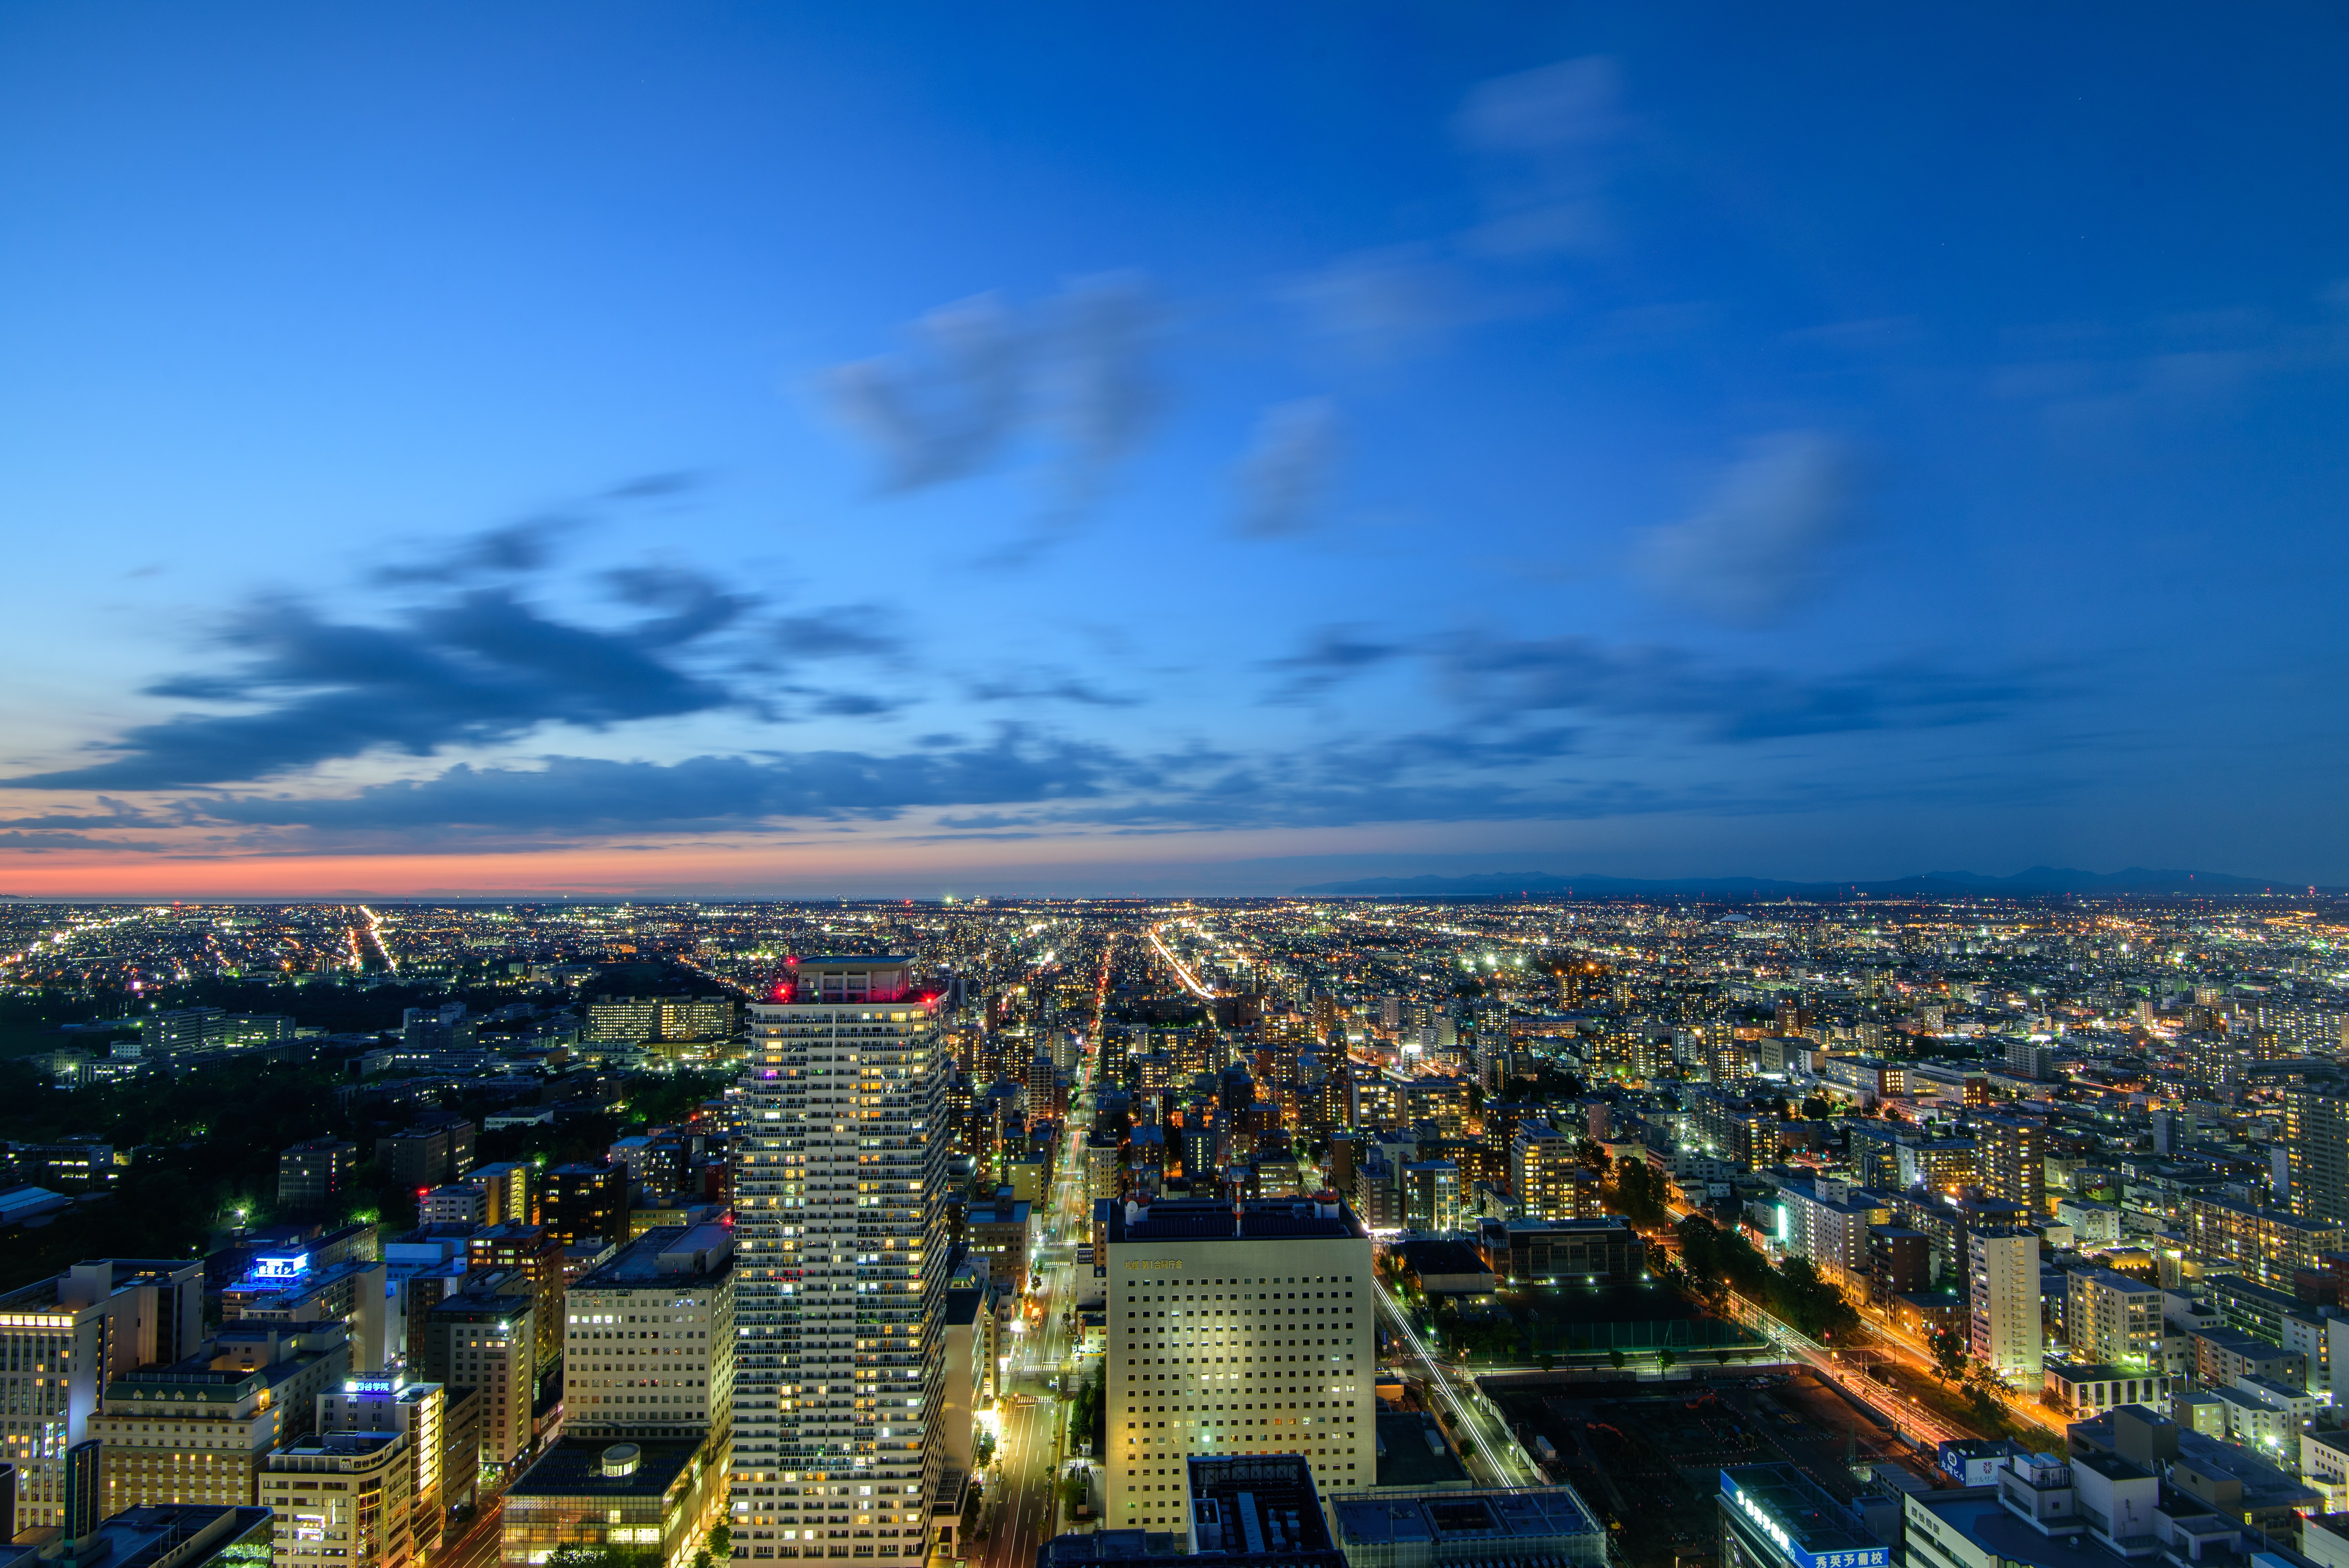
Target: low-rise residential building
(2082, 1390)
(2220, 1356)
(2094, 1224)
(2325, 1464)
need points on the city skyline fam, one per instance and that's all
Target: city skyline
(597, 453)
(688, 1232)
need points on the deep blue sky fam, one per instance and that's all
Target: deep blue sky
(793, 448)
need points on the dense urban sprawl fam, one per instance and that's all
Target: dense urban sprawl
(1820, 1233)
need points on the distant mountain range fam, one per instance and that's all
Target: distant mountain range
(2038, 881)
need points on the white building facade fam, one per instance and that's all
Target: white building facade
(1237, 1330)
(839, 1270)
(2004, 1270)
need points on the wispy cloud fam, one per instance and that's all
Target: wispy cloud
(1758, 547)
(1545, 140)
(1074, 374)
(1380, 306)
(1328, 657)
(1501, 680)
(1724, 703)
(1048, 685)
(466, 666)
(578, 796)
(946, 410)
(481, 668)
(1285, 476)
(1103, 397)
(840, 630)
(39, 843)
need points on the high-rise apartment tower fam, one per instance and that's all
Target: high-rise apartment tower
(2316, 1134)
(839, 1273)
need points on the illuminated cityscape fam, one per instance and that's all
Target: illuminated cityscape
(522, 1186)
(1031, 786)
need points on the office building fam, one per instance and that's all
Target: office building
(1867, 1078)
(582, 1204)
(343, 1284)
(63, 1340)
(2112, 1319)
(341, 1500)
(457, 1203)
(200, 1430)
(698, 1018)
(2003, 1301)
(1259, 1511)
(316, 1175)
(653, 1501)
(2219, 1485)
(624, 1020)
(484, 1339)
(419, 1413)
(1004, 1233)
(1236, 1329)
(1432, 1196)
(840, 1275)
(648, 1346)
(2034, 1510)
(969, 1372)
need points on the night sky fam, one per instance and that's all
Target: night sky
(782, 449)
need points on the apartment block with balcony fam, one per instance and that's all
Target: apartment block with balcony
(2112, 1319)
